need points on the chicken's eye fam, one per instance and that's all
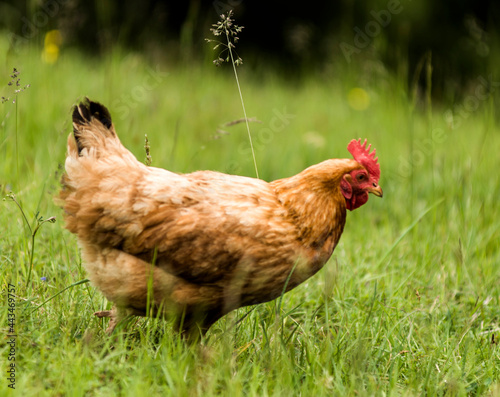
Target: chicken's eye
(361, 177)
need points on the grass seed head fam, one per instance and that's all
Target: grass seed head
(225, 26)
(15, 81)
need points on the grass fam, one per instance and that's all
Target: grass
(409, 304)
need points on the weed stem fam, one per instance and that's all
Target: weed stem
(242, 103)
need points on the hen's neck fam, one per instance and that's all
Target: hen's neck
(315, 203)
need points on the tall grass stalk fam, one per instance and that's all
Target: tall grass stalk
(16, 141)
(242, 104)
(226, 26)
(15, 83)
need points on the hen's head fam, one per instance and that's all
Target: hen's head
(356, 184)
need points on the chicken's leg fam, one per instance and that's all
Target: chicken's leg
(115, 315)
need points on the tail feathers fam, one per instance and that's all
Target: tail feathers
(92, 126)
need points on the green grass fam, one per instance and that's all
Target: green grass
(404, 307)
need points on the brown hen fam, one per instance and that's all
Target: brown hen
(199, 245)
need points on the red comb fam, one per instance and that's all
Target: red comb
(362, 155)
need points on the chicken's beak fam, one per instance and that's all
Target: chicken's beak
(376, 190)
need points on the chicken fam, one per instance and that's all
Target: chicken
(197, 246)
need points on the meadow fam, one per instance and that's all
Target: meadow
(409, 303)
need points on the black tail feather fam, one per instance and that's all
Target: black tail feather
(87, 111)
